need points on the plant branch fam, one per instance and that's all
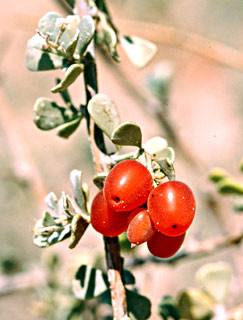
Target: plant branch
(196, 250)
(96, 138)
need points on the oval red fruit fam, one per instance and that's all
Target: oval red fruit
(127, 186)
(172, 208)
(140, 228)
(105, 220)
(164, 247)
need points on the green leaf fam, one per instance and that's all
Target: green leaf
(68, 128)
(49, 115)
(155, 145)
(71, 3)
(86, 34)
(128, 277)
(214, 279)
(168, 308)
(99, 179)
(217, 174)
(138, 305)
(71, 75)
(138, 50)
(89, 283)
(47, 219)
(39, 59)
(127, 134)
(52, 202)
(79, 226)
(194, 304)
(230, 186)
(104, 112)
(110, 38)
(70, 50)
(76, 182)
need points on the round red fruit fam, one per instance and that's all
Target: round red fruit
(105, 220)
(164, 247)
(140, 228)
(172, 208)
(127, 186)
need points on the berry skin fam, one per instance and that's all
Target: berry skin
(105, 220)
(164, 247)
(140, 228)
(127, 186)
(172, 208)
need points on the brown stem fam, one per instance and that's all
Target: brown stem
(114, 266)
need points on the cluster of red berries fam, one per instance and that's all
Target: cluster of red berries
(159, 216)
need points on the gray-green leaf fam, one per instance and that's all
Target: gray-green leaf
(39, 59)
(48, 114)
(79, 226)
(104, 112)
(127, 134)
(86, 34)
(138, 50)
(52, 201)
(76, 182)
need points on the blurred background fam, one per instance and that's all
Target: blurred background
(201, 116)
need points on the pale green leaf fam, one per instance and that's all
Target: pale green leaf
(47, 219)
(52, 201)
(230, 186)
(76, 182)
(104, 112)
(154, 145)
(214, 278)
(138, 50)
(194, 304)
(86, 34)
(127, 134)
(217, 174)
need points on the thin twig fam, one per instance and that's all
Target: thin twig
(206, 48)
(196, 250)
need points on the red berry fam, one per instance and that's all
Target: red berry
(105, 220)
(127, 186)
(140, 228)
(172, 208)
(164, 247)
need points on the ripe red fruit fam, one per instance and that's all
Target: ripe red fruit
(172, 208)
(164, 247)
(127, 186)
(105, 220)
(140, 228)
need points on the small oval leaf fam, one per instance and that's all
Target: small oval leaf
(138, 50)
(230, 186)
(86, 34)
(67, 129)
(71, 75)
(127, 134)
(154, 145)
(48, 114)
(76, 182)
(104, 112)
(79, 226)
